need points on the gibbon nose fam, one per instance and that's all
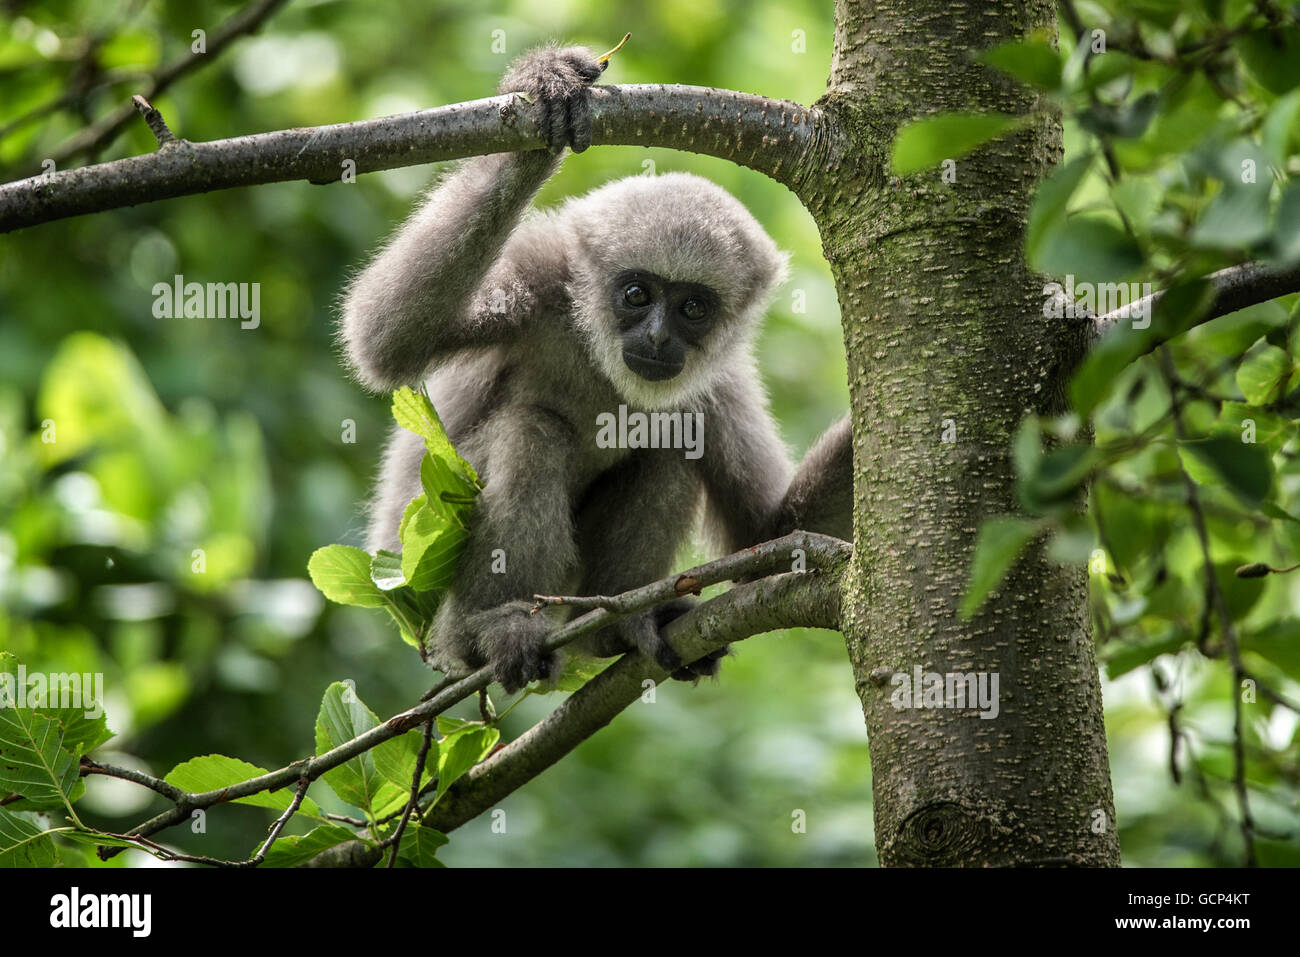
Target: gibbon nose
(657, 331)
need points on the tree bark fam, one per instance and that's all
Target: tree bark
(943, 321)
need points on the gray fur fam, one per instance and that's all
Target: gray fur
(507, 317)
(820, 497)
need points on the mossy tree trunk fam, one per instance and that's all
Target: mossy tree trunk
(944, 328)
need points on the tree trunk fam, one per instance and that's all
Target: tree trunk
(943, 321)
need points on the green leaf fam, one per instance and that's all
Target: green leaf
(1123, 656)
(395, 759)
(448, 491)
(1232, 335)
(1262, 373)
(1033, 61)
(1234, 418)
(210, 772)
(1236, 218)
(1027, 448)
(23, 844)
(1174, 313)
(414, 412)
(1091, 249)
(447, 726)
(1286, 234)
(1239, 594)
(33, 759)
(386, 570)
(81, 734)
(1000, 541)
(460, 752)
(1274, 512)
(578, 670)
(1279, 128)
(430, 548)
(926, 142)
(1278, 641)
(343, 717)
(1125, 121)
(1050, 202)
(1187, 117)
(420, 845)
(1131, 528)
(294, 850)
(342, 574)
(1277, 853)
(1106, 69)
(348, 576)
(1272, 56)
(1057, 475)
(1244, 468)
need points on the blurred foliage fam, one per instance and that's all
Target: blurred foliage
(163, 481)
(177, 434)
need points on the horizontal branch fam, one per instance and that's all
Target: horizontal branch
(1234, 288)
(809, 599)
(819, 551)
(775, 137)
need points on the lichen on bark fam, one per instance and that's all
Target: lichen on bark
(944, 329)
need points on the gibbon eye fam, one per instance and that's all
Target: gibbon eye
(636, 296)
(694, 310)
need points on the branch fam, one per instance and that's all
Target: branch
(776, 137)
(809, 599)
(820, 551)
(279, 824)
(157, 125)
(171, 792)
(1234, 288)
(414, 799)
(101, 133)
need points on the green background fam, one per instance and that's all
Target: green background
(177, 434)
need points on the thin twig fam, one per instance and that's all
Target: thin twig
(169, 791)
(157, 125)
(280, 822)
(415, 792)
(344, 819)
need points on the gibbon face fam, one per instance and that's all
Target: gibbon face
(669, 278)
(659, 320)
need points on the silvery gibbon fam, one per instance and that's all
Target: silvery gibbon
(530, 328)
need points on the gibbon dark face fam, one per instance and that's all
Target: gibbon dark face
(659, 321)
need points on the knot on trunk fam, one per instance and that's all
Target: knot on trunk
(941, 834)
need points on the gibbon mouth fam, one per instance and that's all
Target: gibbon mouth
(655, 370)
